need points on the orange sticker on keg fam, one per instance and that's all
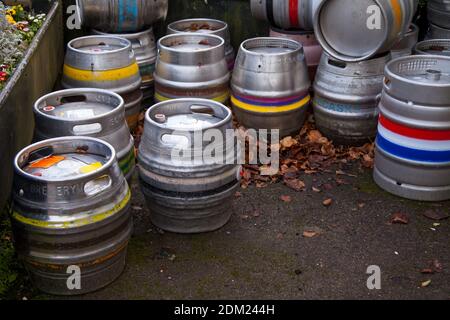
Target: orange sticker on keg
(47, 162)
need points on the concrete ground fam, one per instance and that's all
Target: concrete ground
(262, 252)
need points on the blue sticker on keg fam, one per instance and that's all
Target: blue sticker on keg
(333, 106)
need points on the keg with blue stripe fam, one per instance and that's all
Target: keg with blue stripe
(346, 97)
(117, 16)
(413, 144)
(270, 85)
(70, 214)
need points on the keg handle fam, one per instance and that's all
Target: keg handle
(337, 64)
(91, 189)
(197, 108)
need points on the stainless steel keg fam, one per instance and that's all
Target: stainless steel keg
(187, 191)
(436, 32)
(286, 14)
(439, 13)
(144, 47)
(87, 112)
(346, 99)
(405, 46)
(356, 30)
(121, 15)
(434, 47)
(270, 85)
(105, 62)
(208, 26)
(70, 214)
(413, 144)
(191, 65)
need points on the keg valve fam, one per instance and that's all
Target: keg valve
(160, 118)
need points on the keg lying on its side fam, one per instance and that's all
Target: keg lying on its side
(191, 65)
(436, 32)
(87, 112)
(439, 13)
(286, 14)
(105, 62)
(413, 144)
(121, 15)
(346, 99)
(433, 47)
(312, 48)
(405, 46)
(347, 31)
(70, 209)
(270, 85)
(190, 193)
(209, 26)
(144, 47)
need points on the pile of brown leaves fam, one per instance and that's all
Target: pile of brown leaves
(308, 153)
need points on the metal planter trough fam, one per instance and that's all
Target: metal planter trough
(34, 77)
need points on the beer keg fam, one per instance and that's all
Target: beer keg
(191, 65)
(357, 30)
(439, 13)
(186, 191)
(413, 143)
(208, 26)
(436, 32)
(121, 15)
(405, 46)
(346, 99)
(70, 214)
(87, 112)
(270, 85)
(105, 62)
(433, 47)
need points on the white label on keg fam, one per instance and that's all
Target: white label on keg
(48, 108)
(80, 114)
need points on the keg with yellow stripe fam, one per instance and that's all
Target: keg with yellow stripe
(70, 214)
(270, 85)
(191, 65)
(357, 30)
(105, 62)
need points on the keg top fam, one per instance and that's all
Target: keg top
(99, 44)
(197, 25)
(270, 46)
(188, 114)
(190, 42)
(349, 37)
(65, 158)
(78, 104)
(434, 47)
(126, 35)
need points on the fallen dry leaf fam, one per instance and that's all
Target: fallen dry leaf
(295, 184)
(310, 234)
(425, 283)
(436, 215)
(288, 142)
(399, 218)
(327, 202)
(286, 198)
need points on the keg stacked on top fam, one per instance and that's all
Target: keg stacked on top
(439, 18)
(349, 81)
(292, 20)
(131, 20)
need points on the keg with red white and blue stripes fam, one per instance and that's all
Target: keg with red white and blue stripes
(413, 143)
(270, 85)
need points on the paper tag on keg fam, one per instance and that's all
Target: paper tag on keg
(47, 162)
(90, 168)
(79, 114)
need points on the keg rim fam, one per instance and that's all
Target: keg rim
(190, 34)
(173, 30)
(122, 35)
(79, 91)
(421, 46)
(125, 42)
(192, 101)
(299, 46)
(46, 143)
(296, 32)
(336, 54)
(391, 74)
